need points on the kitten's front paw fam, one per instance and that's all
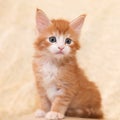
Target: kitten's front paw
(39, 113)
(54, 115)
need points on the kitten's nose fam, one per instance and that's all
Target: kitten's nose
(60, 48)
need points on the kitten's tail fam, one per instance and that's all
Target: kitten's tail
(86, 113)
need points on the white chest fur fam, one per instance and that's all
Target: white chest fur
(49, 71)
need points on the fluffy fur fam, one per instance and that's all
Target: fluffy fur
(62, 85)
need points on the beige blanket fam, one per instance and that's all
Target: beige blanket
(99, 55)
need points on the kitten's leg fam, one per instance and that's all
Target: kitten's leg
(42, 102)
(44, 106)
(60, 105)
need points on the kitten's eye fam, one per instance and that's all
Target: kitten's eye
(52, 39)
(68, 41)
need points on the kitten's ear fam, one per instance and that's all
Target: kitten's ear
(42, 20)
(77, 23)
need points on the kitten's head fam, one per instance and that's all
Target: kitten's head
(57, 38)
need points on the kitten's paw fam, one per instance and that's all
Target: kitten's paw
(39, 113)
(54, 115)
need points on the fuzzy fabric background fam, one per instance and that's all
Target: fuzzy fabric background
(99, 55)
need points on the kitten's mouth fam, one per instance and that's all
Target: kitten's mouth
(60, 52)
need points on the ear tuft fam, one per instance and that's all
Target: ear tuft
(77, 23)
(42, 20)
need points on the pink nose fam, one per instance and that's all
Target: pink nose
(60, 48)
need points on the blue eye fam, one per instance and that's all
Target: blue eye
(52, 39)
(68, 41)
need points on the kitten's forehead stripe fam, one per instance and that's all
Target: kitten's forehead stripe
(56, 34)
(62, 26)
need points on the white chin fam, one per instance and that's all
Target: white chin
(59, 55)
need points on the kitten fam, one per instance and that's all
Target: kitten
(62, 86)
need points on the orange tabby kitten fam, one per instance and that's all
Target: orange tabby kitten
(62, 86)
